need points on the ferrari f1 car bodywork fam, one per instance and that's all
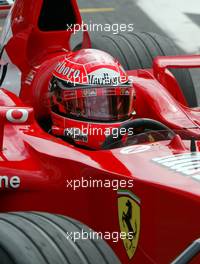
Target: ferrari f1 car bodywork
(149, 187)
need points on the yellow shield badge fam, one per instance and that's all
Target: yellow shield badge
(129, 220)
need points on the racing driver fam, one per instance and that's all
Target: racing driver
(90, 97)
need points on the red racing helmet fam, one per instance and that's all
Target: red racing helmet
(90, 95)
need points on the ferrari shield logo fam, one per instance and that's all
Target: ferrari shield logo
(129, 220)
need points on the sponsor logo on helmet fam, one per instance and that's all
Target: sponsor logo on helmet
(77, 73)
(67, 71)
(105, 76)
(103, 80)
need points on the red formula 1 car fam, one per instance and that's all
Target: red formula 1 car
(139, 195)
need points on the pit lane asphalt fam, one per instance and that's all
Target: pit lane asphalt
(124, 12)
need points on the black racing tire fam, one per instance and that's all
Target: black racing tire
(41, 238)
(137, 51)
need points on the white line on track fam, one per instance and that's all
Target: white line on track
(170, 16)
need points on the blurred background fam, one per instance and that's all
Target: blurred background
(177, 19)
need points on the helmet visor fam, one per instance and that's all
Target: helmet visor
(96, 104)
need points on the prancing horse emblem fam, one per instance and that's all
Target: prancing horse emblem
(129, 220)
(126, 219)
